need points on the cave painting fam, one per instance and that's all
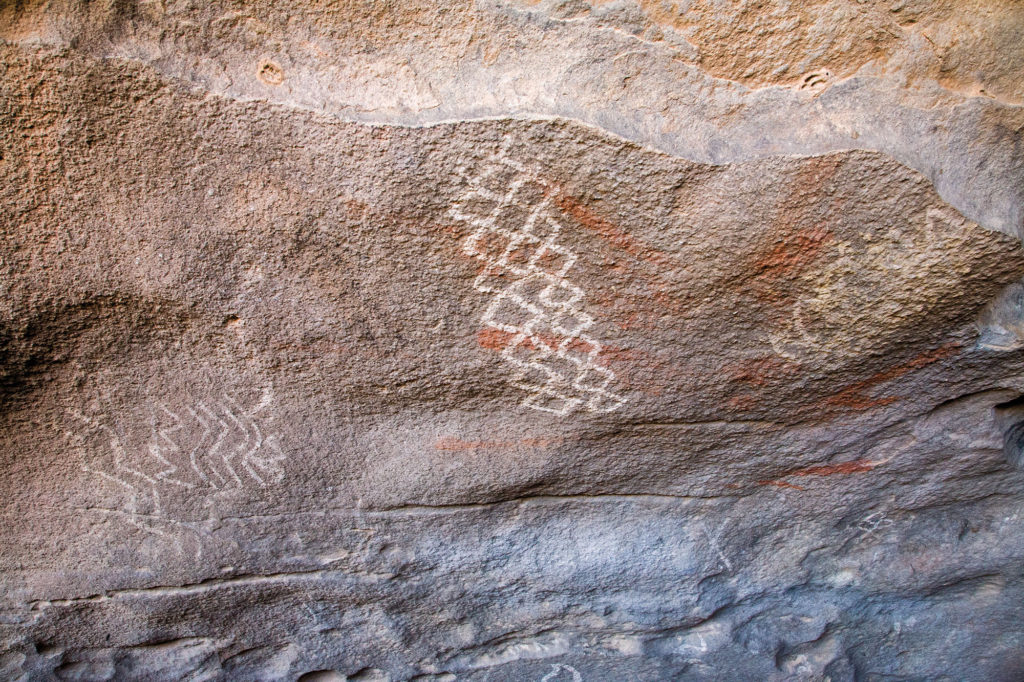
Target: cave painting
(556, 670)
(202, 447)
(548, 351)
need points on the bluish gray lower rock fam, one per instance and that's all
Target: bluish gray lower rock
(301, 383)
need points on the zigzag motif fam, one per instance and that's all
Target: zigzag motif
(217, 445)
(230, 443)
(550, 353)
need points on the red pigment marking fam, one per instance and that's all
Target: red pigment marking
(758, 371)
(793, 255)
(853, 396)
(493, 339)
(795, 251)
(634, 321)
(607, 230)
(855, 467)
(743, 402)
(781, 484)
(785, 262)
(621, 240)
(623, 359)
(498, 340)
(452, 444)
(621, 356)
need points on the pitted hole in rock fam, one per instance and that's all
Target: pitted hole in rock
(322, 676)
(1013, 445)
(1009, 418)
(48, 650)
(270, 73)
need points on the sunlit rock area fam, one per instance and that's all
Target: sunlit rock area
(512, 341)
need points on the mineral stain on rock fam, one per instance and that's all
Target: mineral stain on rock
(270, 73)
(511, 341)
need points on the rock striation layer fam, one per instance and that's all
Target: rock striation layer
(511, 341)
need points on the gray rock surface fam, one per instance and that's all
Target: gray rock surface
(508, 341)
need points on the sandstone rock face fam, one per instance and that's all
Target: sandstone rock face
(555, 341)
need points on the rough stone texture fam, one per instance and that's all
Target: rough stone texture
(511, 341)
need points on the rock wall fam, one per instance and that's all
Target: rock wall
(512, 341)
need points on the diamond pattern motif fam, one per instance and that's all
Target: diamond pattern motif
(550, 354)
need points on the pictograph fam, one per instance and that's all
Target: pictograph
(200, 448)
(526, 266)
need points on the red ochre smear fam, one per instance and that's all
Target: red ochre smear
(498, 339)
(795, 251)
(452, 444)
(854, 397)
(857, 466)
(607, 230)
(493, 339)
(781, 484)
(789, 258)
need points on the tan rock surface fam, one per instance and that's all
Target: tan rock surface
(509, 341)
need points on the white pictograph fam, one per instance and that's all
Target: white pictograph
(713, 541)
(516, 235)
(881, 267)
(701, 647)
(557, 668)
(872, 524)
(209, 446)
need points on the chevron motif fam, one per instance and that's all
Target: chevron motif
(209, 446)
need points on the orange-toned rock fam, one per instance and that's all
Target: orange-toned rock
(575, 341)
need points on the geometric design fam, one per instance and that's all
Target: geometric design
(550, 353)
(209, 446)
(889, 261)
(556, 676)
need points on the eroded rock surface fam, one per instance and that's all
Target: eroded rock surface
(511, 341)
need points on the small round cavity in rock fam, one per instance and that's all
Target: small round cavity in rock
(322, 676)
(1013, 445)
